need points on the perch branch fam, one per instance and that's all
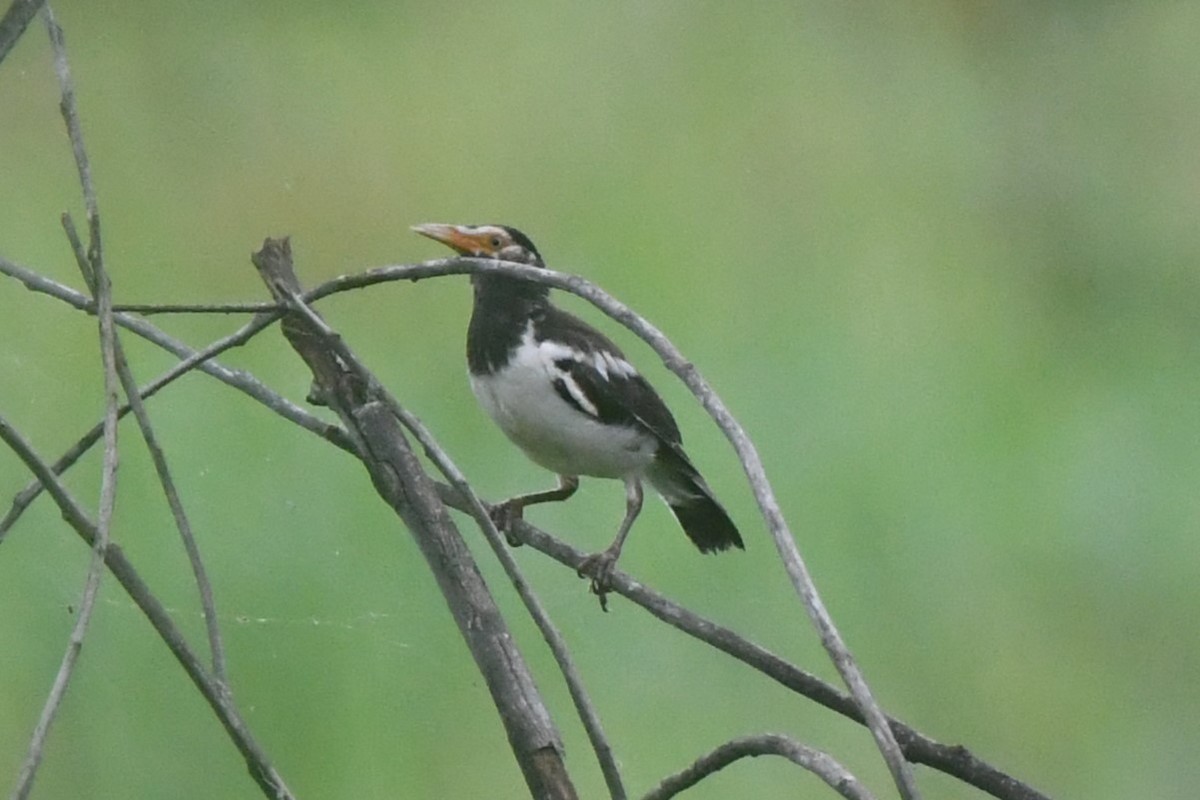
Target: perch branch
(404, 485)
(954, 760)
(553, 637)
(815, 761)
(147, 309)
(785, 543)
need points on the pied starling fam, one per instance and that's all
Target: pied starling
(566, 395)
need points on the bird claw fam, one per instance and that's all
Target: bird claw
(505, 517)
(599, 568)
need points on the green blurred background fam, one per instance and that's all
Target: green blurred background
(939, 258)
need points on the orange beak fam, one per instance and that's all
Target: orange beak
(458, 237)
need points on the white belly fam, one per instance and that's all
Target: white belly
(553, 433)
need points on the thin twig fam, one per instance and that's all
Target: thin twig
(195, 308)
(215, 693)
(815, 761)
(102, 295)
(163, 470)
(475, 507)
(674, 360)
(403, 483)
(100, 546)
(239, 379)
(954, 760)
(14, 23)
(91, 265)
(192, 359)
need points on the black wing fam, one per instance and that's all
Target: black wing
(619, 396)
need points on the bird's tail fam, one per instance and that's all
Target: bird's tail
(700, 515)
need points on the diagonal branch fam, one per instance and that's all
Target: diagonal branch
(954, 760)
(87, 603)
(91, 265)
(159, 458)
(401, 481)
(215, 693)
(192, 359)
(100, 547)
(553, 637)
(14, 23)
(815, 761)
(674, 360)
(102, 294)
(583, 704)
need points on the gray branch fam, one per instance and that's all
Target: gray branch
(674, 360)
(815, 761)
(400, 480)
(14, 23)
(159, 458)
(102, 294)
(954, 760)
(95, 275)
(550, 633)
(192, 359)
(214, 692)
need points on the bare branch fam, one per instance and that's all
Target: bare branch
(97, 535)
(196, 308)
(14, 23)
(401, 481)
(193, 359)
(159, 459)
(815, 761)
(108, 483)
(214, 692)
(558, 647)
(92, 267)
(954, 760)
(58, 690)
(674, 360)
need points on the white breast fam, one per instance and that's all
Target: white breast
(554, 434)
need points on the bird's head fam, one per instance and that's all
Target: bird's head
(484, 241)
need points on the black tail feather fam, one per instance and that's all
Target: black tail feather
(702, 518)
(707, 524)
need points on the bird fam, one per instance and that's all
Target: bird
(567, 396)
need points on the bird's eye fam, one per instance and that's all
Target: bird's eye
(496, 242)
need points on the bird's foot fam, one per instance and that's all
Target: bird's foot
(505, 516)
(599, 567)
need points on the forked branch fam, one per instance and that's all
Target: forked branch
(402, 482)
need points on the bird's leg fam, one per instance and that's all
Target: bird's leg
(599, 567)
(506, 514)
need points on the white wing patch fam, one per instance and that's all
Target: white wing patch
(550, 353)
(577, 393)
(610, 365)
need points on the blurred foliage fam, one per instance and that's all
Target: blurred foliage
(940, 258)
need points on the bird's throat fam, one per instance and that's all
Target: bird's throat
(503, 310)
